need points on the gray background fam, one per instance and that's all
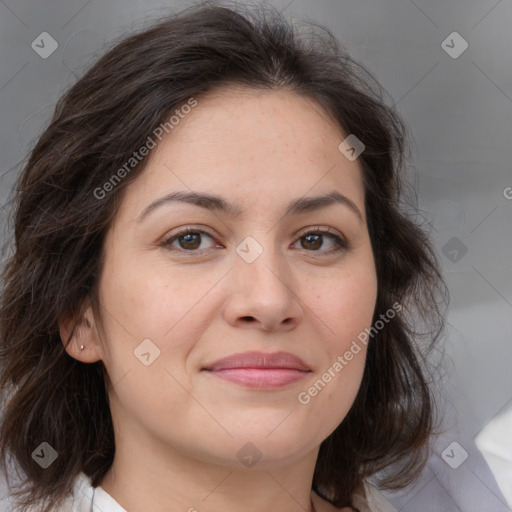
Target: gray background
(459, 113)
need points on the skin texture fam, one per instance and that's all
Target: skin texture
(178, 429)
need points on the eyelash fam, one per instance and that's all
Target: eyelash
(341, 243)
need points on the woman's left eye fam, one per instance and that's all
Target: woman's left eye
(314, 239)
(189, 240)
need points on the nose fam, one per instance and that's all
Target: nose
(263, 293)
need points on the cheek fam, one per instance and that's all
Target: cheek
(346, 305)
(149, 300)
(347, 310)
(139, 305)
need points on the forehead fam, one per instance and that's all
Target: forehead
(254, 145)
(262, 115)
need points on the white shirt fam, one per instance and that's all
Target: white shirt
(90, 499)
(86, 498)
(495, 443)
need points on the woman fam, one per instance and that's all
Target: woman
(213, 295)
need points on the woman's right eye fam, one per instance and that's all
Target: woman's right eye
(189, 240)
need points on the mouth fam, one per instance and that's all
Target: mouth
(259, 369)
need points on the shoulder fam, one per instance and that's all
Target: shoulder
(367, 499)
(322, 505)
(80, 499)
(85, 498)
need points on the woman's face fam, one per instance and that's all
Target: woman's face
(251, 281)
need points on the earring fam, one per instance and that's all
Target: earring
(81, 347)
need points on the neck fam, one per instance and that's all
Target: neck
(144, 477)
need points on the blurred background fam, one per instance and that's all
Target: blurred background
(447, 68)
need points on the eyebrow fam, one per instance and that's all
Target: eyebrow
(216, 203)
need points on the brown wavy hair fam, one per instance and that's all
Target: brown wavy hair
(59, 226)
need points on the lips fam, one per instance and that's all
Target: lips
(260, 360)
(260, 370)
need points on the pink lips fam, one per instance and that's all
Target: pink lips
(259, 369)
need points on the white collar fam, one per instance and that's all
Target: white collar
(94, 499)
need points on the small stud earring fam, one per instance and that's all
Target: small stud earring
(81, 347)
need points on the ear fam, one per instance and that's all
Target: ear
(83, 331)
